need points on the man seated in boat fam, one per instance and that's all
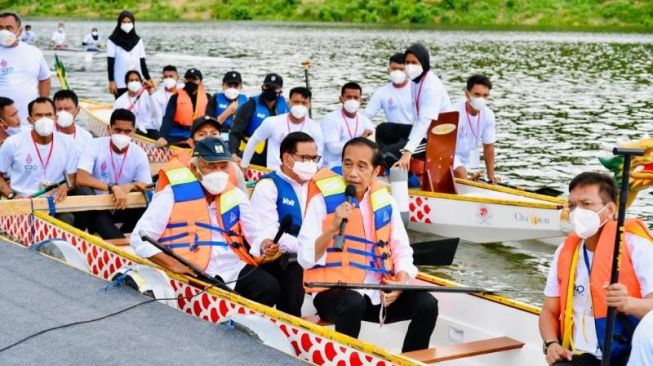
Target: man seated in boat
(275, 128)
(574, 314)
(58, 40)
(201, 201)
(170, 77)
(116, 165)
(476, 125)
(344, 123)
(139, 101)
(9, 119)
(229, 99)
(183, 108)
(376, 250)
(40, 159)
(66, 105)
(250, 115)
(277, 195)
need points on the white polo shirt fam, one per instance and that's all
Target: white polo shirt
(337, 129)
(396, 103)
(472, 132)
(125, 61)
(147, 112)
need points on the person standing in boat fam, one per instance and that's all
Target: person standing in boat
(202, 201)
(24, 74)
(125, 52)
(574, 314)
(66, 105)
(9, 120)
(162, 95)
(250, 116)
(139, 101)
(430, 98)
(58, 39)
(476, 125)
(91, 42)
(229, 99)
(28, 35)
(183, 108)
(344, 124)
(395, 100)
(275, 128)
(373, 226)
(116, 165)
(278, 194)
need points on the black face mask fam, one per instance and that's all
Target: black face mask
(190, 87)
(269, 95)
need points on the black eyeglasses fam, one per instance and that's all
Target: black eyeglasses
(305, 158)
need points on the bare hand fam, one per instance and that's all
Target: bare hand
(269, 249)
(389, 298)
(161, 142)
(181, 269)
(120, 196)
(152, 84)
(232, 108)
(342, 212)
(367, 133)
(237, 158)
(555, 353)
(404, 162)
(112, 87)
(60, 193)
(617, 296)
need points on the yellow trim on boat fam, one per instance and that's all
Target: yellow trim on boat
(488, 200)
(517, 192)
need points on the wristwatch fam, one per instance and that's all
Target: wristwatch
(546, 344)
(11, 195)
(110, 187)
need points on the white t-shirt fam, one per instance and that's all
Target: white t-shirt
(82, 138)
(109, 167)
(430, 95)
(396, 103)
(91, 44)
(337, 130)
(125, 61)
(21, 69)
(472, 131)
(147, 112)
(161, 98)
(275, 129)
(642, 353)
(641, 252)
(30, 170)
(59, 38)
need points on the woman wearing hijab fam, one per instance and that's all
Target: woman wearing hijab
(91, 42)
(125, 52)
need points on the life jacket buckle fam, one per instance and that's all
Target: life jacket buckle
(381, 244)
(194, 247)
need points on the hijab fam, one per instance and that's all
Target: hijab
(126, 41)
(422, 55)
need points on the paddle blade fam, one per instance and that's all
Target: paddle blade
(61, 72)
(435, 253)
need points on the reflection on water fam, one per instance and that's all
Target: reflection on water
(558, 97)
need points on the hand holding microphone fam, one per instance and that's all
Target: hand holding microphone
(339, 240)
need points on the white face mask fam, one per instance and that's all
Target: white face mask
(127, 27)
(60, 30)
(298, 111)
(169, 83)
(120, 141)
(397, 77)
(305, 169)
(65, 119)
(586, 222)
(44, 126)
(94, 33)
(7, 39)
(13, 130)
(231, 93)
(414, 71)
(215, 182)
(477, 103)
(351, 105)
(134, 86)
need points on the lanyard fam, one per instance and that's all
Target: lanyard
(351, 136)
(587, 260)
(122, 164)
(478, 124)
(288, 124)
(38, 153)
(419, 93)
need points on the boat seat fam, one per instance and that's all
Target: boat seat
(315, 319)
(466, 349)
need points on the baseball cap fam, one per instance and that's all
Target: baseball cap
(193, 73)
(273, 79)
(199, 121)
(212, 149)
(232, 77)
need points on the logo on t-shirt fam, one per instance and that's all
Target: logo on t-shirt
(391, 102)
(29, 167)
(103, 170)
(4, 67)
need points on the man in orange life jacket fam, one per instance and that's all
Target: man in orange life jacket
(183, 108)
(574, 314)
(376, 250)
(205, 219)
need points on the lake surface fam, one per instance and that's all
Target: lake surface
(560, 98)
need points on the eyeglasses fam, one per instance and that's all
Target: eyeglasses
(305, 158)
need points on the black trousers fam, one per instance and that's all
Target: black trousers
(586, 359)
(392, 138)
(347, 308)
(292, 289)
(104, 222)
(257, 285)
(119, 92)
(153, 134)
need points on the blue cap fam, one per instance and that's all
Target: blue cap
(212, 149)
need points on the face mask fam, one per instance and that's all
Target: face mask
(65, 119)
(127, 27)
(231, 93)
(94, 34)
(13, 130)
(397, 76)
(305, 169)
(298, 111)
(60, 30)
(169, 83)
(190, 87)
(215, 182)
(7, 39)
(586, 222)
(120, 141)
(351, 105)
(414, 71)
(269, 95)
(477, 103)
(134, 86)
(44, 126)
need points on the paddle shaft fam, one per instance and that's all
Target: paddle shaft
(543, 190)
(47, 189)
(306, 64)
(616, 254)
(390, 288)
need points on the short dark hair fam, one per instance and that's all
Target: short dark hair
(130, 72)
(289, 144)
(606, 183)
(478, 79)
(122, 114)
(66, 94)
(4, 102)
(398, 58)
(377, 159)
(11, 14)
(350, 85)
(39, 100)
(27, 26)
(169, 68)
(304, 91)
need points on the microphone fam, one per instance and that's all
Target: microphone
(339, 240)
(284, 227)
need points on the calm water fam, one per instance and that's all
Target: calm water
(559, 98)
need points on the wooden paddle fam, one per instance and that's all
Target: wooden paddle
(427, 288)
(70, 204)
(306, 64)
(440, 150)
(438, 252)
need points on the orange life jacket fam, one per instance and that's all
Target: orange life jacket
(359, 255)
(189, 228)
(599, 275)
(184, 114)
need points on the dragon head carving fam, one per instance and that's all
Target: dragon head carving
(641, 168)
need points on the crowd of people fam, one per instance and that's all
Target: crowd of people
(324, 172)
